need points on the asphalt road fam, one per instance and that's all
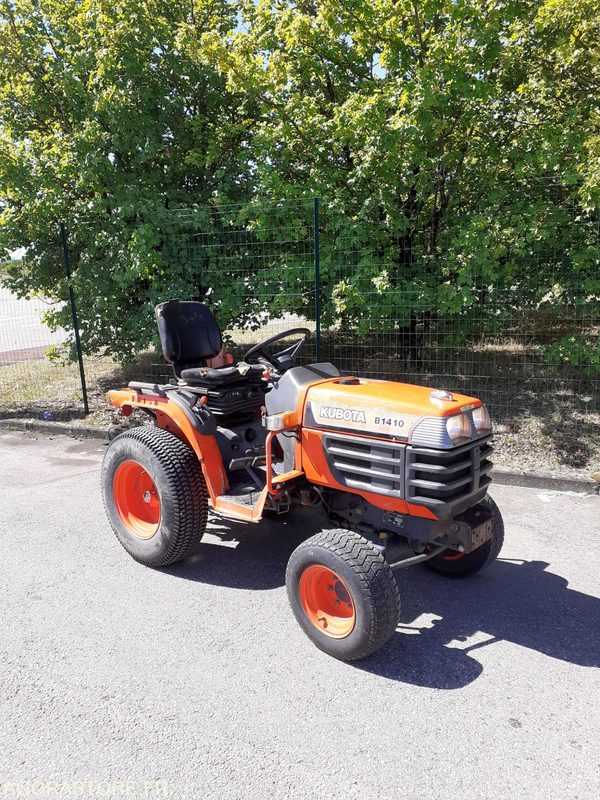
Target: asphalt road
(23, 335)
(195, 681)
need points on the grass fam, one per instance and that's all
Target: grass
(28, 388)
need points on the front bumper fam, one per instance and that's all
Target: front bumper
(470, 530)
(464, 533)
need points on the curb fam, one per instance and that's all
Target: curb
(54, 428)
(500, 475)
(531, 480)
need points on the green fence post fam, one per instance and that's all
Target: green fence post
(67, 257)
(317, 278)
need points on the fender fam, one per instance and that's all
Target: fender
(173, 413)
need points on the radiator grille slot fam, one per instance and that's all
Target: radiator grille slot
(351, 447)
(376, 466)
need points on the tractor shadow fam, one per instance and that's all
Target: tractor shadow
(443, 621)
(519, 602)
(238, 555)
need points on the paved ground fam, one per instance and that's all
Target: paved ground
(22, 333)
(195, 682)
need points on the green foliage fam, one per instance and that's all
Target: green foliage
(10, 268)
(575, 350)
(108, 119)
(455, 146)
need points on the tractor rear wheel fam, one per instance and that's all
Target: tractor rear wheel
(343, 594)
(154, 495)
(461, 565)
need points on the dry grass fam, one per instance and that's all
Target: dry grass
(30, 388)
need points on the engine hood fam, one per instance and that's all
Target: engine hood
(385, 408)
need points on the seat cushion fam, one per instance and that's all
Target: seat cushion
(209, 376)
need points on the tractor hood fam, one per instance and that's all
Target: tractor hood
(402, 411)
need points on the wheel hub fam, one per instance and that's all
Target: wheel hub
(136, 499)
(327, 602)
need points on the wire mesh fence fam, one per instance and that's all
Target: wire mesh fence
(253, 265)
(25, 342)
(487, 305)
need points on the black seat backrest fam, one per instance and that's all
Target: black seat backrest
(189, 333)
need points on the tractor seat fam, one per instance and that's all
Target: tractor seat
(190, 336)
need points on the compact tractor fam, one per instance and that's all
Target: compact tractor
(400, 473)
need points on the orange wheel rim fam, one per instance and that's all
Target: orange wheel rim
(453, 557)
(136, 499)
(327, 602)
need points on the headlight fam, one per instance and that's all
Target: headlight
(482, 419)
(458, 427)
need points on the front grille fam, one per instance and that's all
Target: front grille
(448, 479)
(358, 463)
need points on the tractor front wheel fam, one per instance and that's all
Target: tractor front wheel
(155, 496)
(343, 594)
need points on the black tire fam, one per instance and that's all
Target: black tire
(364, 575)
(453, 565)
(181, 493)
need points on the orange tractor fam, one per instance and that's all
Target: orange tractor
(400, 473)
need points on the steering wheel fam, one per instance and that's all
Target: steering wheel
(285, 358)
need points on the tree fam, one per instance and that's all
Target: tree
(108, 119)
(453, 144)
(455, 147)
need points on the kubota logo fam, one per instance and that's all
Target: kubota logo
(342, 414)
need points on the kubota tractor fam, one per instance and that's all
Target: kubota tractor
(400, 473)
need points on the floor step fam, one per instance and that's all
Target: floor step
(245, 494)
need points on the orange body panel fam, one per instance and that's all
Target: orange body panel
(390, 396)
(372, 409)
(173, 418)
